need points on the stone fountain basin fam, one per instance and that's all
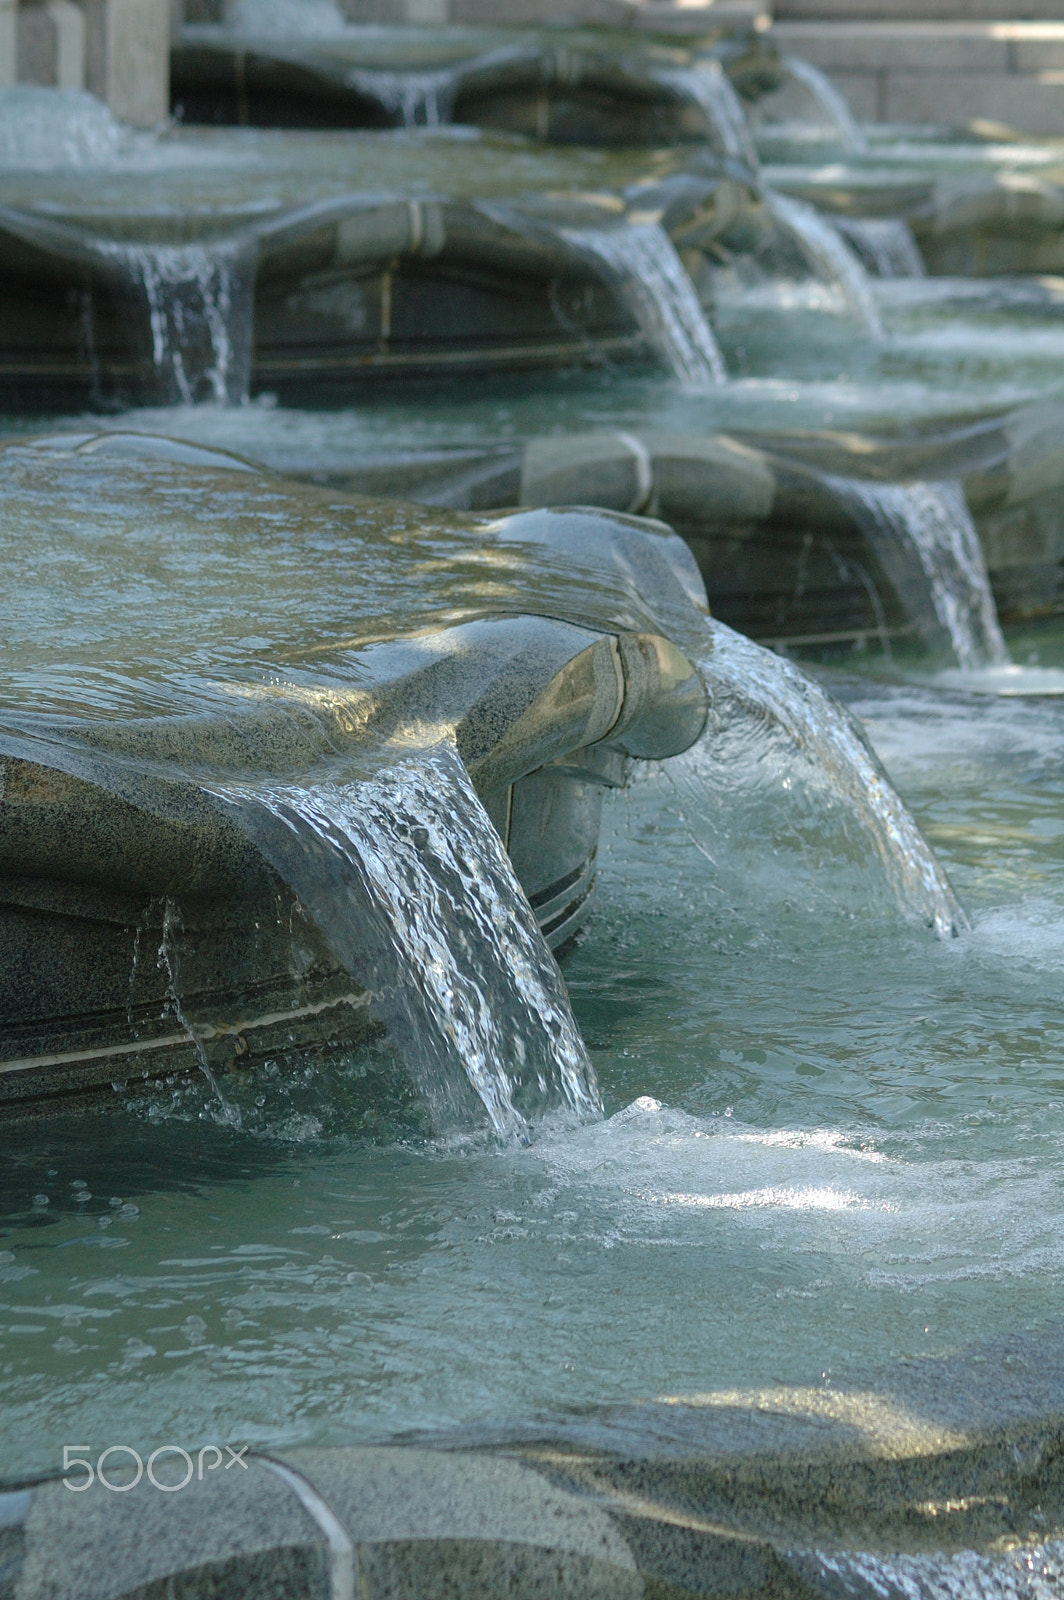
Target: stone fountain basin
(939, 1476)
(967, 223)
(333, 637)
(593, 87)
(297, 260)
(782, 558)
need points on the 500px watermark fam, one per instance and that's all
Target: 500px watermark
(120, 1467)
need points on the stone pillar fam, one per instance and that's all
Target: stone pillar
(8, 42)
(128, 58)
(50, 44)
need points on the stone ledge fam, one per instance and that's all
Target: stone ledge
(776, 1493)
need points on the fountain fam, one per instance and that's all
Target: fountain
(405, 1258)
(588, 88)
(336, 741)
(205, 265)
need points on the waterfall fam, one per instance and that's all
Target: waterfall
(825, 249)
(418, 99)
(200, 315)
(884, 245)
(831, 102)
(786, 721)
(929, 547)
(411, 887)
(708, 85)
(641, 259)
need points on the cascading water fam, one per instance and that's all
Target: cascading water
(200, 315)
(418, 99)
(410, 885)
(709, 86)
(925, 538)
(825, 249)
(884, 245)
(641, 260)
(830, 101)
(767, 715)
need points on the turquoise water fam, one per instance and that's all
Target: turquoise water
(831, 1140)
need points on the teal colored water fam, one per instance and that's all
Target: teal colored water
(831, 1140)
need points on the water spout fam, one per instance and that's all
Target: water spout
(641, 260)
(830, 101)
(411, 887)
(825, 249)
(418, 99)
(925, 538)
(884, 245)
(200, 309)
(788, 722)
(708, 85)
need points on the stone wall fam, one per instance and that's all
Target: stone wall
(1009, 72)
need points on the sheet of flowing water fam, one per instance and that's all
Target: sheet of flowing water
(924, 536)
(200, 315)
(827, 251)
(833, 1141)
(767, 715)
(708, 85)
(418, 99)
(407, 879)
(830, 100)
(884, 245)
(642, 260)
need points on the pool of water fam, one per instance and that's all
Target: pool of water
(830, 1140)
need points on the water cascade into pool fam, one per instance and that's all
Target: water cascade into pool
(828, 251)
(642, 260)
(829, 101)
(783, 1116)
(408, 877)
(199, 309)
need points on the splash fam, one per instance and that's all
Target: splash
(416, 99)
(709, 86)
(884, 246)
(790, 723)
(925, 538)
(830, 101)
(641, 260)
(825, 250)
(200, 316)
(411, 887)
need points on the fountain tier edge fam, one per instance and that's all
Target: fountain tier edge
(199, 789)
(201, 264)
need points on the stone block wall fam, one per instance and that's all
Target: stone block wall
(1009, 72)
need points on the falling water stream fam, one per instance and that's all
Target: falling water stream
(884, 245)
(924, 536)
(200, 315)
(417, 99)
(767, 713)
(407, 879)
(642, 260)
(828, 252)
(834, 106)
(710, 88)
